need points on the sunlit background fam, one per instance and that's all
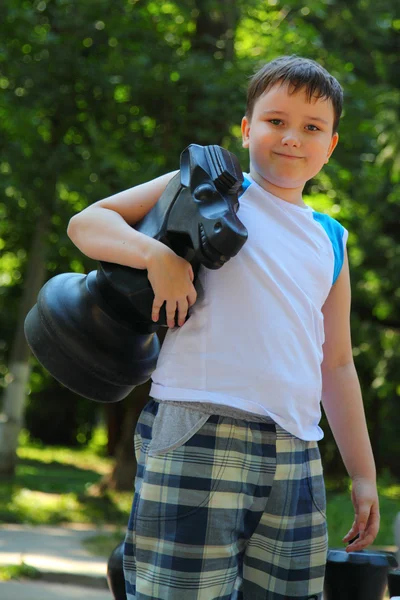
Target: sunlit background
(96, 97)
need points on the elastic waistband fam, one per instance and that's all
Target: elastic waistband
(222, 410)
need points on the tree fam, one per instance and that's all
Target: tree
(70, 80)
(57, 132)
(103, 97)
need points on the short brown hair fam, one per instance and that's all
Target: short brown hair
(299, 73)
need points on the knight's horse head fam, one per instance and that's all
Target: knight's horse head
(195, 216)
(94, 333)
(204, 212)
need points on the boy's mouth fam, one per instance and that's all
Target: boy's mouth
(290, 156)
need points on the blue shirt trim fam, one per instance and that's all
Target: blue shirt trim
(246, 183)
(334, 230)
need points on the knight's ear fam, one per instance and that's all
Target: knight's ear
(185, 164)
(245, 132)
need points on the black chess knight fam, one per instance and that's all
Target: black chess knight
(94, 333)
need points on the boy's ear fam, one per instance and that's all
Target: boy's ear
(332, 146)
(245, 132)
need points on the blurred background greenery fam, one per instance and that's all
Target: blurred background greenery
(97, 97)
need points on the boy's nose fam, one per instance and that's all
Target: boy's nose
(290, 139)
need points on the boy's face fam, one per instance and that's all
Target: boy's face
(289, 139)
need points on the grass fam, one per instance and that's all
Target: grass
(54, 486)
(104, 544)
(18, 572)
(340, 517)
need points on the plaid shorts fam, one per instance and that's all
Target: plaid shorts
(235, 512)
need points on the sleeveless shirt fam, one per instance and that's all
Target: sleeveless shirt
(254, 338)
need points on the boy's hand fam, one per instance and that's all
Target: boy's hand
(364, 496)
(171, 278)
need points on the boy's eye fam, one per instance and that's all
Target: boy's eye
(275, 121)
(312, 128)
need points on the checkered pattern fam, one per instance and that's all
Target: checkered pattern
(237, 512)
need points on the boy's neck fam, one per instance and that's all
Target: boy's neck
(293, 196)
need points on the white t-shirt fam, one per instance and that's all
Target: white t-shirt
(254, 338)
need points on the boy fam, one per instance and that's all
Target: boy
(229, 494)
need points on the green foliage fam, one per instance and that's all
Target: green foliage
(99, 97)
(18, 571)
(104, 544)
(55, 485)
(56, 416)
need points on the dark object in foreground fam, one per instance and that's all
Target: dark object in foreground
(115, 573)
(94, 333)
(394, 582)
(360, 575)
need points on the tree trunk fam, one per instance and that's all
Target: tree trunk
(213, 42)
(216, 24)
(115, 417)
(123, 474)
(11, 419)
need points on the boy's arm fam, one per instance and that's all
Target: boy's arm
(343, 405)
(103, 230)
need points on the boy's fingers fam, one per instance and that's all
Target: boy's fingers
(373, 531)
(373, 524)
(171, 312)
(192, 297)
(367, 530)
(351, 533)
(182, 312)
(155, 311)
(355, 535)
(362, 518)
(361, 542)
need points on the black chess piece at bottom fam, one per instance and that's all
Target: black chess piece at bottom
(94, 333)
